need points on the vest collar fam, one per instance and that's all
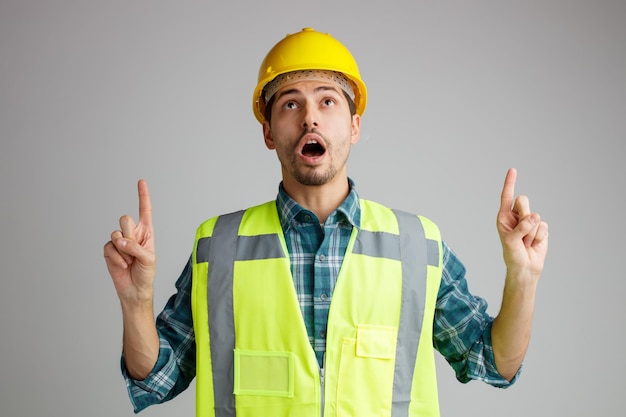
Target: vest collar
(349, 210)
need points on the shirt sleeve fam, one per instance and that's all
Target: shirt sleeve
(176, 364)
(462, 327)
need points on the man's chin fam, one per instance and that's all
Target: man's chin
(314, 179)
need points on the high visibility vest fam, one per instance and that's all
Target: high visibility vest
(254, 357)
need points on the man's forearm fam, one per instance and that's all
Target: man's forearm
(511, 329)
(141, 340)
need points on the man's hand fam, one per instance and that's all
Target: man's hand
(524, 240)
(130, 255)
(523, 235)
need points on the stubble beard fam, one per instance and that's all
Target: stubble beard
(316, 175)
(312, 176)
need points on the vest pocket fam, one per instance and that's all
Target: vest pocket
(264, 373)
(366, 372)
(376, 341)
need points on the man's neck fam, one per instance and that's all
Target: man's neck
(320, 199)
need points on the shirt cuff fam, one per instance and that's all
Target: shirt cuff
(492, 376)
(156, 387)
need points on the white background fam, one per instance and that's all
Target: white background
(95, 95)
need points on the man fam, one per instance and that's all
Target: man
(253, 318)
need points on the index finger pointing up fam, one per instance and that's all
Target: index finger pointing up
(145, 206)
(508, 190)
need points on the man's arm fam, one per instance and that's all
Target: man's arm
(131, 261)
(524, 239)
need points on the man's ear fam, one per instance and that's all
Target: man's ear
(356, 129)
(267, 135)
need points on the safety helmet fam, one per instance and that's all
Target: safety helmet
(307, 50)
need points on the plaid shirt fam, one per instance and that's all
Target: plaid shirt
(461, 329)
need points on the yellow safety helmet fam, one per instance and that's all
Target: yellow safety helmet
(308, 50)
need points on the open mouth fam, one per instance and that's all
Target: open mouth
(312, 149)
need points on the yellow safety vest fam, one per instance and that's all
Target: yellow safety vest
(254, 358)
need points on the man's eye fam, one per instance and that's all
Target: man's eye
(290, 105)
(328, 102)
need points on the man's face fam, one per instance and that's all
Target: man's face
(311, 130)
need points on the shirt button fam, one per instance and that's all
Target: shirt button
(322, 257)
(323, 334)
(323, 297)
(307, 217)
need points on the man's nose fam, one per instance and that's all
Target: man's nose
(310, 117)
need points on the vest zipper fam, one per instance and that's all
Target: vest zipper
(322, 384)
(322, 390)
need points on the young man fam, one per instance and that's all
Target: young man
(253, 318)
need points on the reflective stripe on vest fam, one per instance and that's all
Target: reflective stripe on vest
(222, 258)
(410, 246)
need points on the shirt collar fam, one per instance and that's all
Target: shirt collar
(349, 210)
